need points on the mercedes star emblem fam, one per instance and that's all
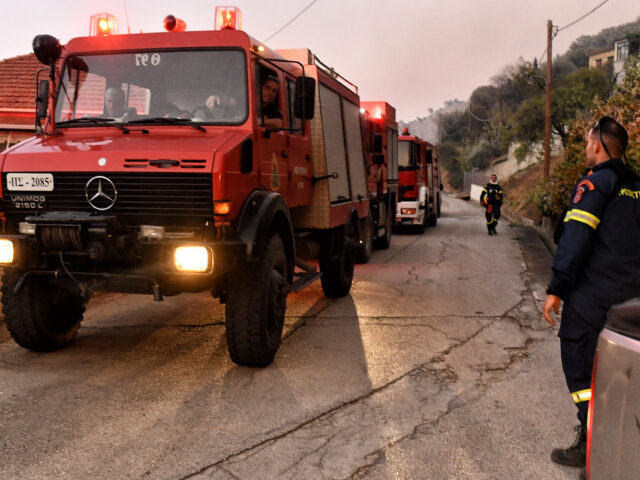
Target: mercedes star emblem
(101, 193)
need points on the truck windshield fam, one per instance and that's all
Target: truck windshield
(406, 155)
(203, 86)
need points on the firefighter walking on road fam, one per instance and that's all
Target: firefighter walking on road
(491, 200)
(596, 265)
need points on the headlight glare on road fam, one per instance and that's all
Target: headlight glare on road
(192, 259)
(6, 251)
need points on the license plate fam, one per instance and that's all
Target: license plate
(30, 182)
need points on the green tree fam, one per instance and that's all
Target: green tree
(552, 196)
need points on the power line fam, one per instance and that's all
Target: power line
(290, 21)
(584, 16)
(556, 29)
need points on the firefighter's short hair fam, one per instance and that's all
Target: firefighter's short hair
(270, 78)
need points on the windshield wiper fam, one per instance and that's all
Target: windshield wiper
(93, 121)
(169, 121)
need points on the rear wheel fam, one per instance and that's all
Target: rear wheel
(337, 262)
(255, 307)
(384, 241)
(363, 250)
(41, 316)
(433, 220)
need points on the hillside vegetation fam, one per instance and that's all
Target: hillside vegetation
(511, 110)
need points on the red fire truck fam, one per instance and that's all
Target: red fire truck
(419, 185)
(226, 167)
(381, 159)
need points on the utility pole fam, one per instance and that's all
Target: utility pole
(547, 111)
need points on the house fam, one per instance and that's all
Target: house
(603, 56)
(622, 54)
(615, 56)
(17, 98)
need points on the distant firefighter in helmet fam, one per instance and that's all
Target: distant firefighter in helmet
(491, 200)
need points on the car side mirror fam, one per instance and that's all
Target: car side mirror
(305, 97)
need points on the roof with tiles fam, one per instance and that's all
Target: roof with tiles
(18, 89)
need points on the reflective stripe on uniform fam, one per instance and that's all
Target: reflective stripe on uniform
(582, 216)
(581, 395)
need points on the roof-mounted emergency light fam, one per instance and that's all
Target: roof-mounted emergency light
(103, 24)
(173, 24)
(228, 18)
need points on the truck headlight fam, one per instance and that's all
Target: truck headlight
(192, 259)
(408, 211)
(6, 251)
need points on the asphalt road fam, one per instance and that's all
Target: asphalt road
(438, 365)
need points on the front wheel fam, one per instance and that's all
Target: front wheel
(255, 307)
(41, 316)
(337, 262)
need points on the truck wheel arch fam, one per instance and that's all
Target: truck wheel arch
(262, 213)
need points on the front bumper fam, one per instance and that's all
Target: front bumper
(103, 257)
(409, 212)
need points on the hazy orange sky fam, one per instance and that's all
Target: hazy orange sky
(415, 54)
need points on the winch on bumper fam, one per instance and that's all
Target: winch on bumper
(98, 253)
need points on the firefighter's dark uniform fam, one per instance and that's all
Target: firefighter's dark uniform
(596, 265)
(491, 199)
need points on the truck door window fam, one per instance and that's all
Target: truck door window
(269, 88)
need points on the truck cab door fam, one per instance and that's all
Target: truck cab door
(272, 144)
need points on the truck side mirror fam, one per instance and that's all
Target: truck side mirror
(377, 143)
(305, 97)
(42, 102)
(429, 157)
(378, 159)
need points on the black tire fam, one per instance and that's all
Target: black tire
(42, 316)
(433, 220)
(337, 266)
(365, 246)
(439, 205)
(384, 242)
(255, 307)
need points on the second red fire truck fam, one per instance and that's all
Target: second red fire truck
(380, 133)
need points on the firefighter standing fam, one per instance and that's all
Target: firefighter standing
(491, 200)
(595, 266)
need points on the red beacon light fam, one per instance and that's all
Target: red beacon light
(228, 18)
(173, 24)
(103, 24)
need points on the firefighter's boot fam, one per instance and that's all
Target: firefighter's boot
(576, 454)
